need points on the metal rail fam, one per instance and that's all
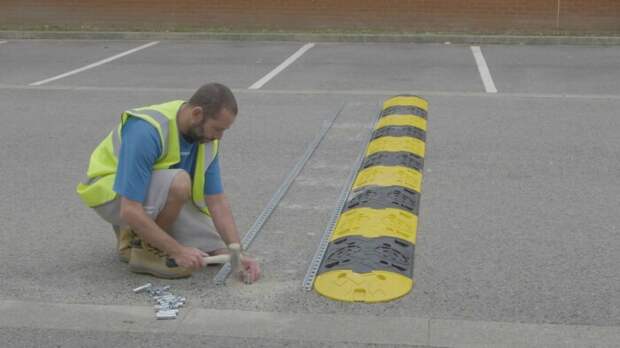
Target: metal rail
(342, 199)
(220, 277)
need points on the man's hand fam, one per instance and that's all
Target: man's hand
(219, 206)
(189, 257)
(251, 269)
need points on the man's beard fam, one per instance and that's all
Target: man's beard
(195, 135)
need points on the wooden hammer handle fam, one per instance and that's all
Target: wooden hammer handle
(217, 259)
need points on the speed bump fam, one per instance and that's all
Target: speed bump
(370, 253)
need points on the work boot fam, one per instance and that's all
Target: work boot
(147, 259)
(124, 236)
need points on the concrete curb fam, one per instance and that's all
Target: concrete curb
(320, 37)
(329, 329)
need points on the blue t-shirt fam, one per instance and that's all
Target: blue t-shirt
(140, 149)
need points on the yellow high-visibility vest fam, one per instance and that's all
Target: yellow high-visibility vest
(97, 189)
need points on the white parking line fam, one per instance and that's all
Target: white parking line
(90, 66)
(489, 86)
(258, 84)
(2, 41)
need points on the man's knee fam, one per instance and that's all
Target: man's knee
(181, 186)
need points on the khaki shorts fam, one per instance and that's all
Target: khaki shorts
(191, 228)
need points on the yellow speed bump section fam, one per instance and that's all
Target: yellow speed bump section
(389, 176)
(403, 100)
(371, 287)
(401, 120)
(396, 144)
(372, 223)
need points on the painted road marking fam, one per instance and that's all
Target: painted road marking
(260, 83)
(96, 64)
(2, 41)
(354, 92)
(485, 74)
(312, 327)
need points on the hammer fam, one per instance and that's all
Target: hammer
(234, 257)
(235, 262)
(217, 259)
(209, 260)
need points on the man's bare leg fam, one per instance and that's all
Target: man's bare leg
(178, 194)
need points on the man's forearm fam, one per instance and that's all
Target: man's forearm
(221, 213)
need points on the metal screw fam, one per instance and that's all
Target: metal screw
(167, 304)
(142, 288)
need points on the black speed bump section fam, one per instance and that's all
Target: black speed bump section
(378, 197)
(363, 255)
(370, 253)
(399, 131)
(402, 120)
(404, 110)
(404, 159)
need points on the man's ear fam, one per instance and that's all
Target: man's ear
(197, 114)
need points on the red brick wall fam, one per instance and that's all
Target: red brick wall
(494, 16)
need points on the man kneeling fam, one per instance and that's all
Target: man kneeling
(156, 179)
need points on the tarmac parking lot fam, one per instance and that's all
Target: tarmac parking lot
(519, 227)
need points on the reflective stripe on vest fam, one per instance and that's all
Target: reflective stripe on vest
(160, 118)
(96, 189)
(208, 152)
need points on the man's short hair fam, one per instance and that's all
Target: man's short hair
(213, 97)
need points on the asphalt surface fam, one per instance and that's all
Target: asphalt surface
(519, 213)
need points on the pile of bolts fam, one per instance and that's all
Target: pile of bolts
(167, 304)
